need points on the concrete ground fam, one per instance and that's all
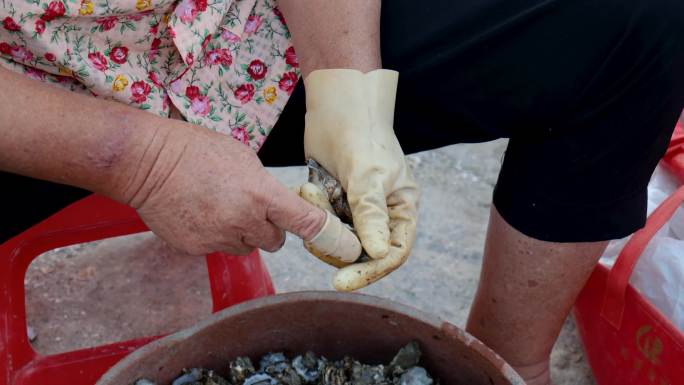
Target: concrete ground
(134, 286)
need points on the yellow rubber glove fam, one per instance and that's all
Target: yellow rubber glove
(349, 131)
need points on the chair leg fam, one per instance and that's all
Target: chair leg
(235, 279)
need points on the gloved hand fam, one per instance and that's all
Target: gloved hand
(349, 131)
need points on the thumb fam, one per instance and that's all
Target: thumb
(335, 242)
(293, 214)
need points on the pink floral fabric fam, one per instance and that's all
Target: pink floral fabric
(227, 65)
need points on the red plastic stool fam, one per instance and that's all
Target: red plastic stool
(232, 280)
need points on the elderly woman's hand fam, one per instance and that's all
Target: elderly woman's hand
(349, 131)
(207, 192)
(198, 190)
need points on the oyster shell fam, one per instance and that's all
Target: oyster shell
(415, 376)
(369, 375)
(337, 197)
(144, 381)
(197, 376)
(239, 369)
(277, 369)
(332, 188)
(406, 358)
(260, 379)
(308, 367)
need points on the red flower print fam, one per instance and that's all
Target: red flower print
(192, 92)
(244, 93)
(257, 69)
(288, 82)
(98, 60)
(200, 5)
(279, 14)
(119, 55)
(186, 11)
(156, 42)
(189, 59)
(220, 56)
(154, 29)
(240, 133)
(153, 78)
(21, 53)
(10, 24)
(63, 79)
(252, 25)
(50, 57)
(139, 91)
(154, 47)
(107, 23)
(200, 105)
(229, 36)
(5, 48)
(291, 57)
(35, 73)
(206, 41)
(39, 26)
(176, 86)
(138, 16)
(54, 10)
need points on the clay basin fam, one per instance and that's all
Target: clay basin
(329, 323)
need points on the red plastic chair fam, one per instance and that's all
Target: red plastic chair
(232, 280)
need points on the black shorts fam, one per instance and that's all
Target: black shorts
(587, 91)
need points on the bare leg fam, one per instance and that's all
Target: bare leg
(527, 288)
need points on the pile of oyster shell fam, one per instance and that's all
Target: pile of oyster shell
(277, 369)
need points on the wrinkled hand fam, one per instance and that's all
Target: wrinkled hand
(207, 192)
(349, 131)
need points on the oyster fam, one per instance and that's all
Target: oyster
(273, 363)
(240, 369)
(368, 375)
(415, 376)
(334, 375)
(308, 367)
(260, 379)
(144, 381)
(331, 187)
(333, 190)
(188, 377)
(198, 376)
(406, 358)
(277, 369)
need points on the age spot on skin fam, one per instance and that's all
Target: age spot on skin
(110, 153)
(532, 283)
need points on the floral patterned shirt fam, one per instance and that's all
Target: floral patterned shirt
(227, 65)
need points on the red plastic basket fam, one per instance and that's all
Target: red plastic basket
(627, 340)
(232, 279)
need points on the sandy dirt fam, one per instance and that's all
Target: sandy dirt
(135, 286)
